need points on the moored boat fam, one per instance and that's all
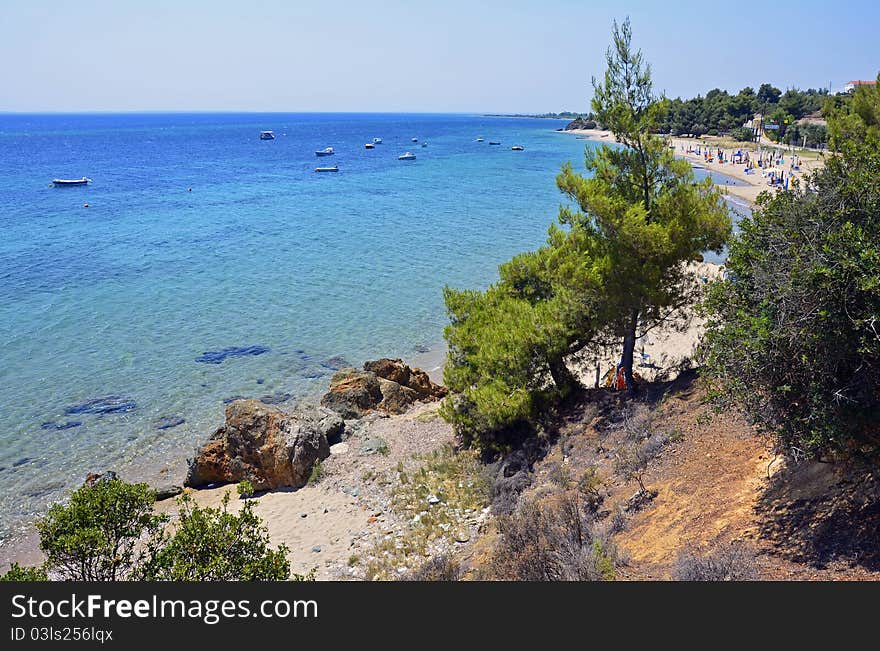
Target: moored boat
(377, 141)
(494, 142)
(407, 156)
(325, 152)
(369, 145)
(267, 135)
(335, 168)
(415, 139)
(480, 139)
(516, 148)
(63, 183)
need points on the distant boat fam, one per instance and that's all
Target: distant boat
(370, 145)
(377, 141)
(480, 139)
(407, 156)
(325, 152)
(267, 135)
(415, 139)
(335, 168)
(494, 142)
(63, 183)
(424, 144)
(516, 148)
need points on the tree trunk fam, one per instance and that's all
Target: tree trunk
(629, 345)
(564, 380)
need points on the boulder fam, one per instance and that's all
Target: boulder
(260, 443)
(352, 393)
(411, 378)
(167, 491)
(396, 398)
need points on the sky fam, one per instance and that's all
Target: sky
(512, 56)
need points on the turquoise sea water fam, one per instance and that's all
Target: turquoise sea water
(116, 302)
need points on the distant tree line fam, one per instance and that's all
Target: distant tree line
(719, 112)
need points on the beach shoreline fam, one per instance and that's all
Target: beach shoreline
(756, 183)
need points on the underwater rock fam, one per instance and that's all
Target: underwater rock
(218, 356)
(105, 405)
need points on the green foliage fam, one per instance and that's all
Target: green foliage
(855, 118)
(18, 572)
(743, 134)
(722, 112)
(618, 261)
(94, 537)
(210, 544)
(316, 473)
(245, 489)
(794, 334)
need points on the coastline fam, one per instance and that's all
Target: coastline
(755, 182)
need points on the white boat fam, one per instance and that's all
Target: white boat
(267, 135)
(63, 183)
(407, 156)
(516, 148)
(480, 139)
(369, 145)
(377, 141)
(335, 168)
(325, 152)
(415, 139)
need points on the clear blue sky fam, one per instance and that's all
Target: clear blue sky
(409, 55)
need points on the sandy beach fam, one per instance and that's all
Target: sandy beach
(757, 182)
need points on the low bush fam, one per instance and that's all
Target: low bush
(24, 573)
(245, 489)
(552, 539)
(439, 568)
(730, 562)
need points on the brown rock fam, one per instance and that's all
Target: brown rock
(396, 398)
(260, 443)
(352, 393)
(390, 369)
(411, 378)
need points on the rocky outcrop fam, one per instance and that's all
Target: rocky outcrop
(387, 385)
(580, 123)
(352, 393)
(268, 447)
(411, 378)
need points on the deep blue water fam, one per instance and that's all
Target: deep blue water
(211, 264)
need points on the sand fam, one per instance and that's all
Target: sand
(757, 183)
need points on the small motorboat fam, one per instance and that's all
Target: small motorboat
(516, 148)
(424, 144)
(369, 145)
(267, 135)
(335, 168)
(407, 156)
(494, 142)
(415, 139)
(64, 183)
(480, 139)
(325, 152)
(377, 141)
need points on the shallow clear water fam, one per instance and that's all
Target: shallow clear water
(121, 298)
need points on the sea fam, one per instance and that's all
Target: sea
(202, 264)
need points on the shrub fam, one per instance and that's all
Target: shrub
(95, 536)
(245, 489)
(439, 568)
(211, 544)
(316, 473)
(793, 333)
(742, 134)
(731, 562)
(23, 573)
(712, 132)
(551, 540)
